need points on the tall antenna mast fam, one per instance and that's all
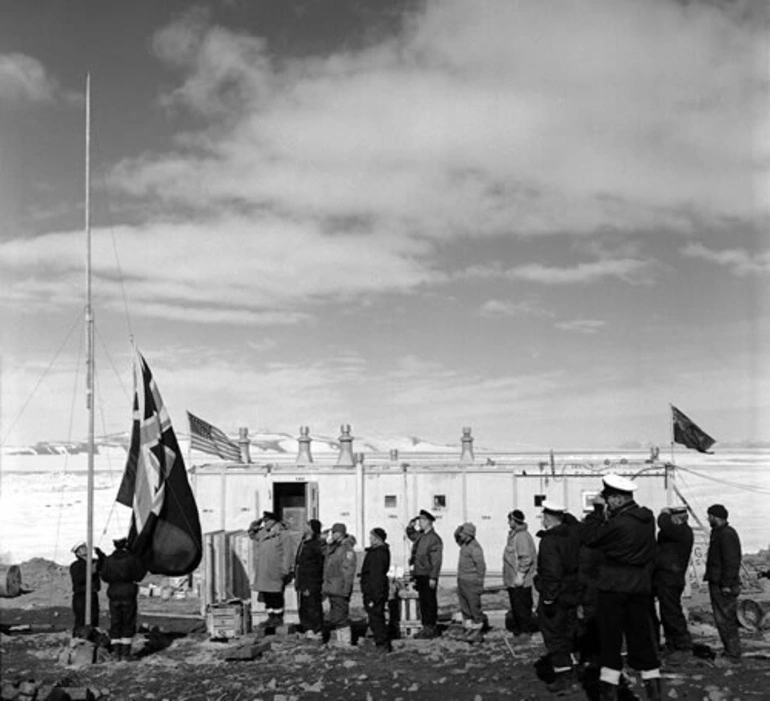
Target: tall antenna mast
(89, 358)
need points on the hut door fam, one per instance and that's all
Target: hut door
(295, 503)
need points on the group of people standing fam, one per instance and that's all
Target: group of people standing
(322, 566)
(599, 581)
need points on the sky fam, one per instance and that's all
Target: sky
(545, 221)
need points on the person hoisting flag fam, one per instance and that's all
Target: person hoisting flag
(689, 434)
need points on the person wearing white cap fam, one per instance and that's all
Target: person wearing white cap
(557, 583)
(79, 577)
(625, 535)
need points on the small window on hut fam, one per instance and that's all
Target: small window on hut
(439, 501)
(391, 501)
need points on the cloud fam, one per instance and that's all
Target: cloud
(501, 308)
(628, 270)
(179, 270)
(24, 79)
(587, 326)
(738, 261)
(463, 125)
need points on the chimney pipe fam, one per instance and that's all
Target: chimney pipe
(304, 457)
(466, 457)
(244, 444)
(346, 447)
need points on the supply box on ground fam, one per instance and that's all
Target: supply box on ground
(230, 619)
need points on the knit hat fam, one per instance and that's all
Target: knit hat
(270, 515)
(517, 515)
(120, 543)
(339, 528)
(717, 510)
(428, 515)
(315, 525)
(380, 533)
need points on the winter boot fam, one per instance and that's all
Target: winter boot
(654, 689)
(474, 635)
(608, 692)
(562, 684)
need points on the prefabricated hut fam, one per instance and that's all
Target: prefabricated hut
(387, 490)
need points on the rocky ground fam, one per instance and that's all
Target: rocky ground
(177, 661)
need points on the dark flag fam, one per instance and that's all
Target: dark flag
(209, 439)
(689, 434)
(165, 528)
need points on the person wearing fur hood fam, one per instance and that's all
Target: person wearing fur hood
(339, 574)
(471, 570)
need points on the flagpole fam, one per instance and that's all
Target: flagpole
(89, 360)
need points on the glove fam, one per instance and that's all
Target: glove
(549, 609)
(287, 578)
(432, 583)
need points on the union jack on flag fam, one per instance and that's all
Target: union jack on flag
(165, 528)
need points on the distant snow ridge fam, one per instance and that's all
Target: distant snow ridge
(262, 443)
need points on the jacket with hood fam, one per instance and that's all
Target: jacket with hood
(374, 574)
(723, 561)
(675, 542)
(273, 558)
(122, 570)
(627, 542)
(470, 563)
(340, 567)
(427, 552)
(520, 555)
(557, 562)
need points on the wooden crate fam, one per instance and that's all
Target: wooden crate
(231, 619)
(408, 629)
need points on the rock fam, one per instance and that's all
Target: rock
(316, 688)
(347, 664)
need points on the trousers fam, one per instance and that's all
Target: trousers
(669, 596)
(122, 618)
(520, 599)
(469, 596)
(558, 624)
(428, 600)
(725, 608)
(624, 614)
(311, 615)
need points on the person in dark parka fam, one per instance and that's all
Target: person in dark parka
(557, 583)
(121, 571)
(375, 586)
(723, 564)
(675, 541)
(79, 577)
(625, 535)
(308, 579)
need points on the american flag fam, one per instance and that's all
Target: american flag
(209, 439)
